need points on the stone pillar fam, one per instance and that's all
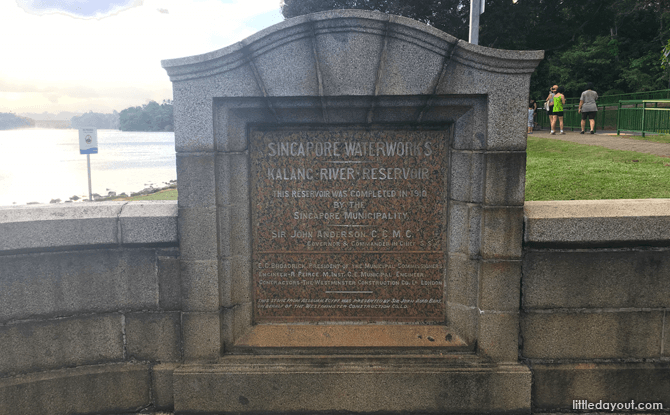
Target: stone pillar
(242, 116)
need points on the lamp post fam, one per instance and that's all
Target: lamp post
(476, 8)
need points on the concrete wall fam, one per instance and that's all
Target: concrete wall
(89, 307)
(595, 301)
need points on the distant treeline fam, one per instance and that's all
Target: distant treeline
(96, 120)
(148, 117)
(9, 121)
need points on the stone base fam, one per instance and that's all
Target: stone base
(556, 386)
(363, 384)
(348, 338)
(112, 388)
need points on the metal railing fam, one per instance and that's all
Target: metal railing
(605, 119)
(639, 116)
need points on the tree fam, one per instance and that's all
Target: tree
(149, 117)
(96, 120)
(9, 121)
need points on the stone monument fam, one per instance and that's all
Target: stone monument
(351, 189)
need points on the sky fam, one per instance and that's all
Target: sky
(104, 55)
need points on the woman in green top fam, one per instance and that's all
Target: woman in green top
(557, 113)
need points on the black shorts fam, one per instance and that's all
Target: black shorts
(589, 114)
(558, 113)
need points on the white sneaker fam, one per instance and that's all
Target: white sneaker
(562, 132)
(552, 132)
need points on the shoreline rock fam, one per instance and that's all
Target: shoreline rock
(172, 184)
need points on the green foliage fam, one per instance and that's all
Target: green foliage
(9, 121)
(619, 53)
(96, 120)
(577, 65)
(148, 117)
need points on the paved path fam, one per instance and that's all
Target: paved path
(609, 140)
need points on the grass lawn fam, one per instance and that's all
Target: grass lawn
(559, 170)
(167, 194)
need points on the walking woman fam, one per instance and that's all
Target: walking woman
(588, 107)
(559, 100)
(549, 103)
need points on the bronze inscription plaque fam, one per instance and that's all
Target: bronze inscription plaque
(348, 225)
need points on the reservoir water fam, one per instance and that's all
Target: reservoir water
(37, 165)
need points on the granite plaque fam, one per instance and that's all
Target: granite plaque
(348, 224)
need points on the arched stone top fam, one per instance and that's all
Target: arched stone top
(349, 52)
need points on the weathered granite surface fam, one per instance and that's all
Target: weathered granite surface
(385, 76)
(597, 221)
(87, 300)
(594, 309)
(41, 227)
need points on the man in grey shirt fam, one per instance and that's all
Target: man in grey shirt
(588, 107)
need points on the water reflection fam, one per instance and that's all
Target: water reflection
(37, 165)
